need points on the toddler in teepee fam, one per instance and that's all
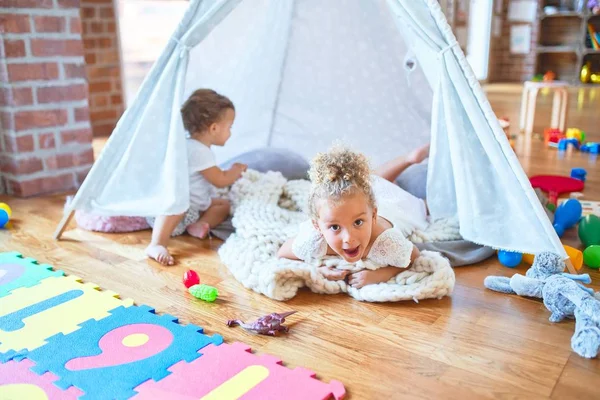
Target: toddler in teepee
(207, 117)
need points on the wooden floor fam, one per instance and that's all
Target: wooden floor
(474, 344)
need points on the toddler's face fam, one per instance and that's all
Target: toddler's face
(346, 225)
(221, 130)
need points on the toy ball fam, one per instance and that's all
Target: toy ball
(591, 256)
(4, 218)
(568, 214)
(509, 258)
(560, 230)
(5, 207)
(190, 278)
(589, 230)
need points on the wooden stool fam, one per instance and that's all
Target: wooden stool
(529, 100)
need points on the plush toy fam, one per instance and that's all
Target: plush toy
(562, 296)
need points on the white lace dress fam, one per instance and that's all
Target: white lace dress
(390, 248)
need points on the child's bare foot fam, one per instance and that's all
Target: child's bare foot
(418, 155)
(160, 254)
(199, 229)
(333, 274)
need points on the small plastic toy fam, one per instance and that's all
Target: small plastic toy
(589, 230)
(5, 214)
(190, 278)
(567, 214)
(509, 259)
(204, 292)
(555, 185)
(574, 133)
(553, 135)
(564, 143)
(269, 325)
(549, 76)
(579, 173)
(576, 257)
(537, 78)
(590, 147)
(591, 256)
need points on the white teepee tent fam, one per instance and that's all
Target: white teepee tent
(386, 75)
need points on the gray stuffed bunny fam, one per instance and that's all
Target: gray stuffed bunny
(562, 296)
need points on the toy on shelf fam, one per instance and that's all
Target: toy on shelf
(190, 278)
(549, 76)
(567, 215)
(589, 230)
(578, 173)
(537, 78)
(269, 325)
(204, 292)
(591, 256)
(509, 259)
(554, 185)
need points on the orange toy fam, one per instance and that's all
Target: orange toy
(549, 76)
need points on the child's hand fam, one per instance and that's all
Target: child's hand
(333, 274)
(238, 169)
(369, 277)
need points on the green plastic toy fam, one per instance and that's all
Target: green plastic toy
(204, 292)
(589, 230)
(591, 256)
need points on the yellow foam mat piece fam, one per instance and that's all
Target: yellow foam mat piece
(30, 315)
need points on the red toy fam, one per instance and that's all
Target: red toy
(553, 135)
(555, 185)
(190, 278)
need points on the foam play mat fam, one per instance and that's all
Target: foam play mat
(61, 338)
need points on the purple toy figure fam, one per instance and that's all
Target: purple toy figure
(268, 325)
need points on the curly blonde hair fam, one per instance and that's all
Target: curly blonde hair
(337, 173)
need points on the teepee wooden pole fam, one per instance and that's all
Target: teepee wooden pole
(63, 224)
(570, 267)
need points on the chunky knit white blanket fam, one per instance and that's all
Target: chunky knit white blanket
(267, 212)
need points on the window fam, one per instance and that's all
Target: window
(145, 26)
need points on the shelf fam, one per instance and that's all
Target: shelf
(564, 14)
(590, 51)
(556, 49)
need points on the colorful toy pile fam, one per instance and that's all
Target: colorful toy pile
(567, 215)
(61, 338)
(573, 136)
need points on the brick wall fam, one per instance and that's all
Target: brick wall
(102, 56)
(45, 133)
(507, 67)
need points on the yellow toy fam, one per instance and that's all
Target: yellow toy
(5, 214)
(574, 133)
(575, 256)
(5, 207)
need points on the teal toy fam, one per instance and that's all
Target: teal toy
(204, 292)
